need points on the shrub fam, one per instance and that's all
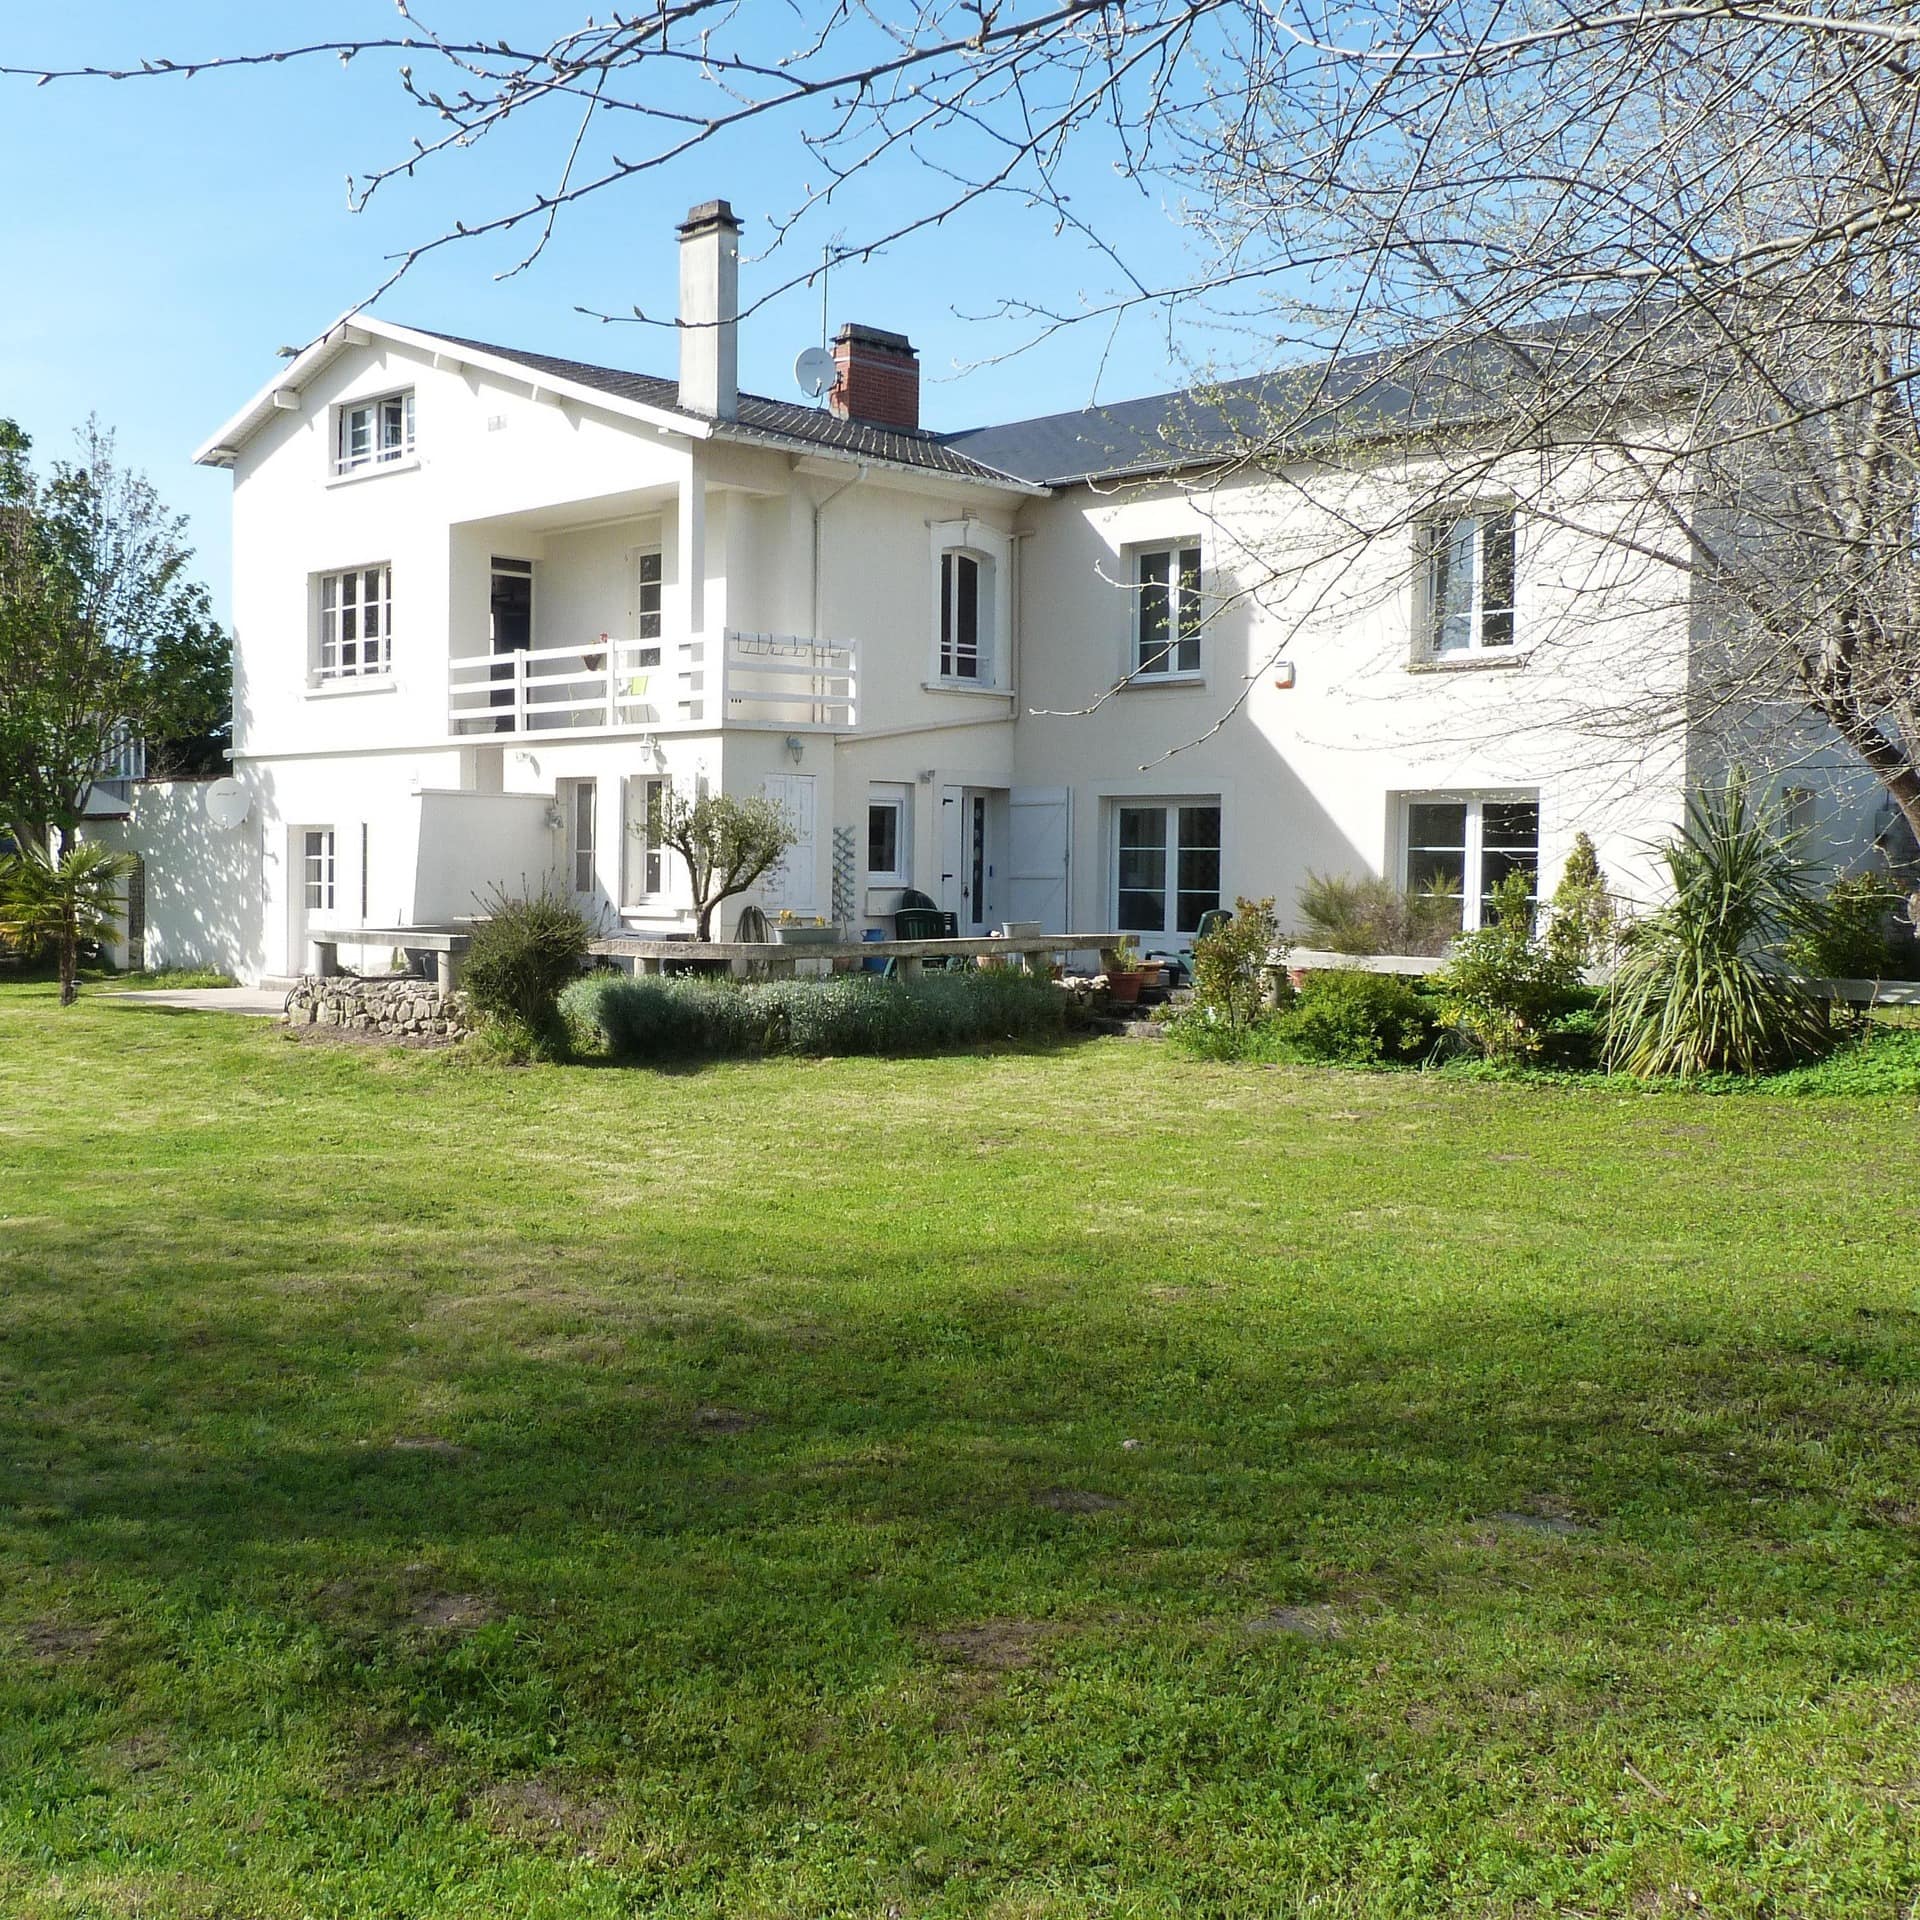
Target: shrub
(1231, 970)
(1368, 916)
(666, 1019)
(1583, 927)
(1505, 986)
(1358, 1018)
(1691, 994)
(1848, 935)
(521, 956)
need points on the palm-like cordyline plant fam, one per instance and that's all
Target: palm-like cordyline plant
(1693, 993)
(62, 903)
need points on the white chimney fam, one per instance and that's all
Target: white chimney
(710, 310)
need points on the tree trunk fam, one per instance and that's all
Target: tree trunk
(69, 967)
(705, 910)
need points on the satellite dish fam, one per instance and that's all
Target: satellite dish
(815, 371)
(228, 803)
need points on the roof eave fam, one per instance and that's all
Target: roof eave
(356, 329)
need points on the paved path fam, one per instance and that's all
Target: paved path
(257, 1001)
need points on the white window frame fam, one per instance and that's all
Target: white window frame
(384, 426)
(969, 664)
(991, 553)
(646, 876)
(1170, 807)
(1473, 886)
(1159, 663)
(649, 600)
(582, 808)
(894, 800)
(1502, 621)
(319, 868)
(332, 603)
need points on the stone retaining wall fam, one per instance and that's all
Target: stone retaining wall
(400, 1005)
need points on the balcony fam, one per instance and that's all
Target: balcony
(612, 686)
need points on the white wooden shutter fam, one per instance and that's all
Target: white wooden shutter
(1040, 840)
(790, 884)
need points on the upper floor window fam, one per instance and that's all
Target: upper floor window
(1470, 579)
(1167, 613)
(646, 856)
(356, 622)
(373, 433)
(649, 587)
(966, 616)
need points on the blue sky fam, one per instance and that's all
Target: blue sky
(177, 232)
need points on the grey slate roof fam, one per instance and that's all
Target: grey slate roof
(759, 418)
(1528, 372)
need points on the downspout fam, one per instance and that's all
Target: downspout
(819, 512)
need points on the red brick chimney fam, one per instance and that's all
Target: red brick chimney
(879, 378)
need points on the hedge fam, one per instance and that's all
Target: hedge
(682, 1019)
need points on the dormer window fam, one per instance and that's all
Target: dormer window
(373, 433)
(966, 618)
(1470, 581)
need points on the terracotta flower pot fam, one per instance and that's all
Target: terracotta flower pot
(1123, 989)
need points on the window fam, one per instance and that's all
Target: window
(889, 857)
(373, 433)
(355, 623)
(1470, 579)
(964, 578)
(648, 589)
(1167, 615)
(1167, 861)
(580, 833)
(1462, 847)
(510, 604)
(317, 869)
(646, 853)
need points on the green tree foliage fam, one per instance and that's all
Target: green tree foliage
(1505, 985)
(725, 841)
(62, 903)
(1848, 934)
(101, 630)
(1231, 967)
(1582, 926)
(1695, 992)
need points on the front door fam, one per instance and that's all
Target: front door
(310, 893)
(969, 881)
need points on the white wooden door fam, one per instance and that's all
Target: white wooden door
(1039, 846)
(790, 886)
(952, 852)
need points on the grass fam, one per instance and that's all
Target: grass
(1018, 1485)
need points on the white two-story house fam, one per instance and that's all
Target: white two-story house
(1058, 670)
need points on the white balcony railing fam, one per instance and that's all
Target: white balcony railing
(734, 679)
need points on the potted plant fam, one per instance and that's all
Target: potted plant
(792, 931)
(1123, 972)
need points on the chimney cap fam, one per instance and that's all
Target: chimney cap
(709, 213)
(856, 335)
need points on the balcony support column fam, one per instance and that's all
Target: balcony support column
(690, 550)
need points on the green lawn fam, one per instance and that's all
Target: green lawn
(1073, 1484)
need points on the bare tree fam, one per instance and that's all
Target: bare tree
(1645, 274)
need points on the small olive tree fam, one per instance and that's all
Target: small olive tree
(725, 841)
(1231, 966)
